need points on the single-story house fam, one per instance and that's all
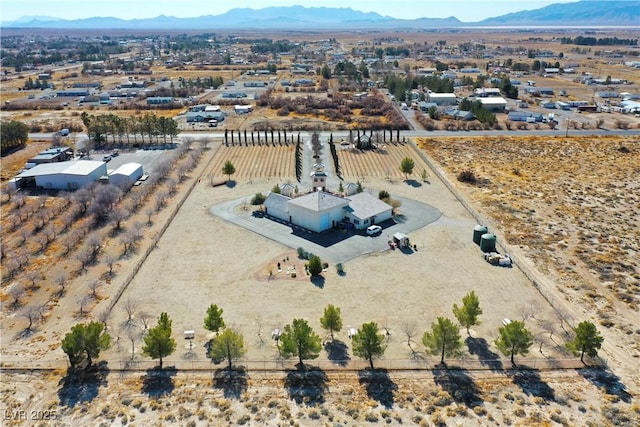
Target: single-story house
(72, 93)
(62, 175)
(204, 116)
(425, 106)
(159, 100)
(522, 116)
(493, 103)
(442, 98)
(52, 155)
(484, 92)
(319, 211)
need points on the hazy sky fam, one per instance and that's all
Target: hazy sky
(464, 10)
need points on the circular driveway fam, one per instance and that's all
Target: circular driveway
(335, 245)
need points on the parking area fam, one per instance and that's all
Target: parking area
(149, 159)
(336, 245)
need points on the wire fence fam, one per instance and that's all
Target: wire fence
(542, 284)
(281, 365)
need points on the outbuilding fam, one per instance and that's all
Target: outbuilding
(62, 175)
(126, 175)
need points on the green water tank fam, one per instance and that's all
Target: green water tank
(488, 243)
(478, 231)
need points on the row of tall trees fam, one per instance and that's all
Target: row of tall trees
(135, 130)
(13, 135)
(298, 339)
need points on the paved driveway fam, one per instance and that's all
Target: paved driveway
(333, 245)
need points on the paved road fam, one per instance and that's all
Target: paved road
(219, 135)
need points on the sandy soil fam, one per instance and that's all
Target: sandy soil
(201, 259)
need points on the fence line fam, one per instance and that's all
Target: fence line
(541, 283)
(156, 239)
(350, 365)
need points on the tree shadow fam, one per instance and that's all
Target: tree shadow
(338, 352)
(607, 380)
(318, 281)
(232, 382)
(82, 385)
(158, 382)
(458, 384)
(480, 347)
(378, 385)
(231, 183)
(306, 385)
(529, 381)
(413, 183)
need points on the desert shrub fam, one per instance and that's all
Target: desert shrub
(383, 194)
(467, 176)
(480, 411)
(258, 199)
(340, 268)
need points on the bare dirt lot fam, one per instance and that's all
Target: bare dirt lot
(201, 259)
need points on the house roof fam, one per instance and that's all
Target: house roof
(74, 167)
(365, 205)
(319, 201)
(277, 201)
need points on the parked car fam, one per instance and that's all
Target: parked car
(373, 229)
(106, 159)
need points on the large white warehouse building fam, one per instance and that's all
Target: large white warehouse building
(61, 176)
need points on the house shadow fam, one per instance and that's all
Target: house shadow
(232, 382)
(608, 381)
(325, 239)
(378, 386)
(338, 352)
(158, 382)
(480, 347)
(318, 281)
(413, 183)
(306, 385)
(529, 381)
(459, 384)
(82, 385)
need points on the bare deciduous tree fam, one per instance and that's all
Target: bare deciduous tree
(110, 260)
(33, 314)
(61, 280)
(94, 285)
(148, 212)
(41, 242)
(127, 240)
(161, 199)
(85, 256)
(130, 306)
(11, 267)
(116, 216)
(409, 329)
(94, 241)
(32, 276)
(82, 198)
(82, 304)
(145, 318)
(16, 292)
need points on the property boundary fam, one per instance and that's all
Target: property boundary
(541, 283)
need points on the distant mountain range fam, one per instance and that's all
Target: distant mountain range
(584, 13)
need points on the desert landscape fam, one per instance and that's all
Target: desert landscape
(559, 193)
(184, 282)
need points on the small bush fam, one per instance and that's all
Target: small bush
(467, 176)
(340, 268)
(258, 199)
